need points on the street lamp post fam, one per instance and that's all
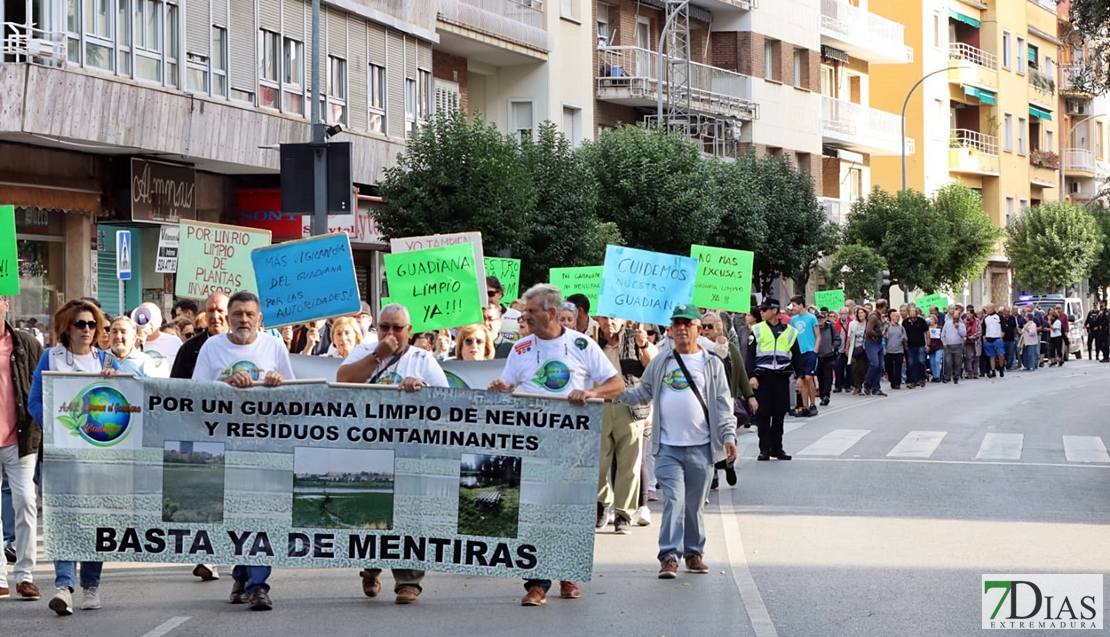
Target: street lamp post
(907, 103)
(1063, 159)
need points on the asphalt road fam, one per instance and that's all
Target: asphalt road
(883, 524)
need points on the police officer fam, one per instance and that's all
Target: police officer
(775, 350)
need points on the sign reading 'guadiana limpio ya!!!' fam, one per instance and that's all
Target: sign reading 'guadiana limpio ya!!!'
(439, 286)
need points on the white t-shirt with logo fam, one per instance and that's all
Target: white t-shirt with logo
(682, 420)
(140, 365)
(219, 358)
(163, 350)
(992, 326)
(558, 366)
(414, 363)
(62, 360)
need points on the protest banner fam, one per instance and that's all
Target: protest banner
(937, 299)
(507, 272)
(644, 286)
(314, 475)
(213, 257)
(460, 374)
(582, 280)
(724, 280)
(168, 240)
(9, 255)
(307, 279)
(474, 239)
(439, 286)
(832, 299)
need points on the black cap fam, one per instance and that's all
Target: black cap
(770, 303)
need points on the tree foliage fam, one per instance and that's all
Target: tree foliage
(973, 235)
(857, 268)
(1090, 23)
(1053, 245)
(1100, 271)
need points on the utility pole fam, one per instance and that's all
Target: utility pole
(319, 141)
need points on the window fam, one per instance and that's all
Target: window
(336, 110)
(1008, 132)
(425, 96)
(568, 10)
(828, 81)
(155, 41)
(1098, 140)
(375, 98)
(219, 61)
(936, 30)
(1007, 52)
(1033, 56)
(410, 106)
(99, 46)
(1048, 67)
(572, 124)
(602, 24)
(1022, 131)
(269, 68)
(1009, 209)
(292, 76)
(520, 120)
(1021, 55)
(448, 98)
(196, 72)
(1023, 206)
(771, 70)
(798, 63)
(1049, 141)
(643, 34)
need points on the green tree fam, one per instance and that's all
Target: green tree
(742, 225)
(566, 231)
(1100, 271)
(458, 176)
(1053, 245)
(1090, 24)
(655, 186)
(857, 268)
(974, 235)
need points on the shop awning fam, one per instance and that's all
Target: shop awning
(985, 97)
(966, 19)
(1040, 113)
(31, 196)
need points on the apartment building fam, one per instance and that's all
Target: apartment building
(996, 95)
(1084, 153)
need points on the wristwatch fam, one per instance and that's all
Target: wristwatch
(375, 356)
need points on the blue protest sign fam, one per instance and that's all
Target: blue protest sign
(638, 285)
(306, 280)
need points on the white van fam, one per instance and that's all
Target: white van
(1073, 307)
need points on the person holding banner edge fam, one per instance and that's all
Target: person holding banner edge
(555, 361)
(392, 361)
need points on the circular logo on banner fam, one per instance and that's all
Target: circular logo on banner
(454, 381)
(554, 376)
(100, 414)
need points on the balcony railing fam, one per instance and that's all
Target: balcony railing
(963, 138)
(1042, 82)
(28, 44)
(978, 57)
(516, 20)
(859, 125)
(1079, 159)
(836, 210)
(844, 22)
(635, 71)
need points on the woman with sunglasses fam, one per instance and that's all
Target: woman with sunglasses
(77, 326)
(474, 343)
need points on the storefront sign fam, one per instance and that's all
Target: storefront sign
(439, 286)
(639, 285)
(261, 208)
(162, 193)
(310, 475)
(166, 261)
(724, 280)
(213, 257)
(306, 280)
(9, 257)
(39, 221)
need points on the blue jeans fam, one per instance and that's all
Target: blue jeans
(684, 474)
(915, 364)
(7, 513)
(252, 576)
(1011, 353)
(936, 361)
(1030, 355)
(874, 366)
(65, 574)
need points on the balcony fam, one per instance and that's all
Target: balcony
(630, 76)
(1075, 79)
(836, 210)
(1079, 162)
(973, 153)
(863, 34)
(1044, 168)
(862, 129)
(1042, 83)
(516, 21)
(1048, 5)
(976, 67)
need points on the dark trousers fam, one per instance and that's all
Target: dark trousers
(915, 365)
(1104, 343)
(843, 372)
(874, 366)
(894, 369)
(774, 401)
(825, 375)
(1090, 344)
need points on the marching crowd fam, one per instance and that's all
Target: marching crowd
(674, 394)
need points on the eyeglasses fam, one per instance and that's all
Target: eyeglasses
(474, 341)
(386, 327)
(684, 322)
(492, 292)
(652, 332)
(85, 325)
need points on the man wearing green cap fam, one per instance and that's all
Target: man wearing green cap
(774, 348)
(692, 402)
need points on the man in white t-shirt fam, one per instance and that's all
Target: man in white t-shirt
(993, 346)
(239, 358)
(554, 361)
(392, 361)
(158, 345)
(128, 359)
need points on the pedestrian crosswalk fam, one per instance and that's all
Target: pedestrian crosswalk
(924, 445)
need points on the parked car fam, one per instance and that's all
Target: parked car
(1073, 307)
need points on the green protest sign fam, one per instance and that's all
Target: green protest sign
(584, 280)
(439, 286)
(385, 301)
(724, 280)
(939, 300)
(9, 259)
(832, 299)
(507, 272)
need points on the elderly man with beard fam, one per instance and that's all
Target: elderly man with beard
(128, 359)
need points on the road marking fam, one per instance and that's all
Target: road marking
(1001, 447)
(167, 626)
(1085, 449)
(835, 442)
(917, 444)
(760, 619)
(980, 463)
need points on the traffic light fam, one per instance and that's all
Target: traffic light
(884, 277)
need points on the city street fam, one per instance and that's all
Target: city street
(883, 524)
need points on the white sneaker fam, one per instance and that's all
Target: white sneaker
(206, 572)
(642, 516)
(62, 602)
(92, 599)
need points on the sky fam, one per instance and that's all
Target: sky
(321, 460)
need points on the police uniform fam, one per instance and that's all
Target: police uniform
(775, 351)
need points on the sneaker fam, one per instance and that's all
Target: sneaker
(878, 393)
(825, 401)
(238, 593)
(407, 594)
(260, 600)
(668, 568)
(763, 457)
(9, 554)
(371, 585)
(622, 526)
(715, 484)
(206, 572)
(569, 590)
(796, 413)
(652, 497)
(1002, 373)
(730, 474)
(781, 456)
(92, 599)
(604, 516)
(695, 565)
(535, 597)
(810, 411)
(28, 591)
(62, 602)
(642, 516)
